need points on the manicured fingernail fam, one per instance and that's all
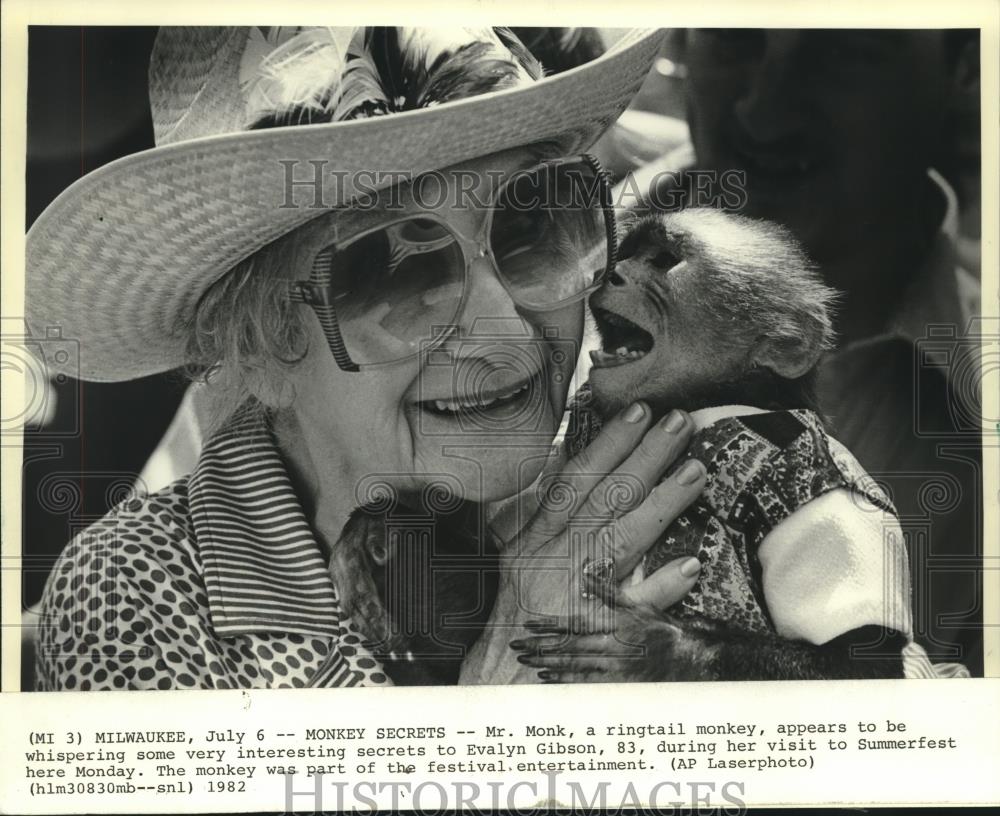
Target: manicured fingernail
(635, 412)
(690, 472)
(517, 644)
(673, 422)
(525, 659)
(691, 567)
(548, 675)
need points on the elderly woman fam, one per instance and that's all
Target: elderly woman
(374, 246)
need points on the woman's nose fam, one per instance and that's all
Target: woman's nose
(488, 307)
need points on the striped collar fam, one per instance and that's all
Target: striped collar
(264, 570)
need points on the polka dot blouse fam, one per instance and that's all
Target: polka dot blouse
(214, 582)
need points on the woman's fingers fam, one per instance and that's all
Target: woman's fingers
(629, 537)
(665, 587)
(562, 494)
(628, 485)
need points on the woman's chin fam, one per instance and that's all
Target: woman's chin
(489, 465)
(506, 476)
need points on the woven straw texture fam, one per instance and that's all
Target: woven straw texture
(119, 260)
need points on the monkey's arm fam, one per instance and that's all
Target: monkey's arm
(644, 645)
(768, 657)
(839, 554)
(836, 565)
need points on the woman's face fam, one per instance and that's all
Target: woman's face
(478, 412)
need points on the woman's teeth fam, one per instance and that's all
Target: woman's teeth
(467, 404)
(621, 355)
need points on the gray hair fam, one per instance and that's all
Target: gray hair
(245, 335)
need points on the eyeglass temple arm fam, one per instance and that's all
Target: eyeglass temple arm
(318, 298)
(610, 218)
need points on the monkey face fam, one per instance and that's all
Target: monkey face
(656, 342)
(701, 301)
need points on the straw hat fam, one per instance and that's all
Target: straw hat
(119, 260)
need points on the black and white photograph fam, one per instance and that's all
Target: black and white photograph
(696, 385)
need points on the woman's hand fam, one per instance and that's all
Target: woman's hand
(604, 508)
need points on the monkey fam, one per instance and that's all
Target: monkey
(420, 599)
(726, 317)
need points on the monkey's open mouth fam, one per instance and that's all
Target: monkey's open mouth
(622, 341)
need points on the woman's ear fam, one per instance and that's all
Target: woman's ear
(270, 385)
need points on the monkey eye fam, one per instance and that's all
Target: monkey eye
(627, 246)
(664, 260)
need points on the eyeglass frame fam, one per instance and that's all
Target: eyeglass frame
(317, 294)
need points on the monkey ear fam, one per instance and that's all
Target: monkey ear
(788, 357)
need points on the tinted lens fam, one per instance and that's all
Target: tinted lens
(394, 289)
(549, 235)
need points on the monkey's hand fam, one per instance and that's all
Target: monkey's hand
(361, 550)
(636, 644)
(640, 644)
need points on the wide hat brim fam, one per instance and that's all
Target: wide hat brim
(118, 262)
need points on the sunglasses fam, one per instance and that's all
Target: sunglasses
(393, 282)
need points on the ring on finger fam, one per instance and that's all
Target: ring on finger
(598, 578)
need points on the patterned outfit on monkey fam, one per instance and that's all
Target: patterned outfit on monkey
(778, 488)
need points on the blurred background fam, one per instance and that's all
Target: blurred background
(87, 105)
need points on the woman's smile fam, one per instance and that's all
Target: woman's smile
(494, 399)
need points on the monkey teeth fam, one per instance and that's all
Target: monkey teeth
(622, 340)
(620, 356)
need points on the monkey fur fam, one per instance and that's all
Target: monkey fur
(419, 598)
(707, 309)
